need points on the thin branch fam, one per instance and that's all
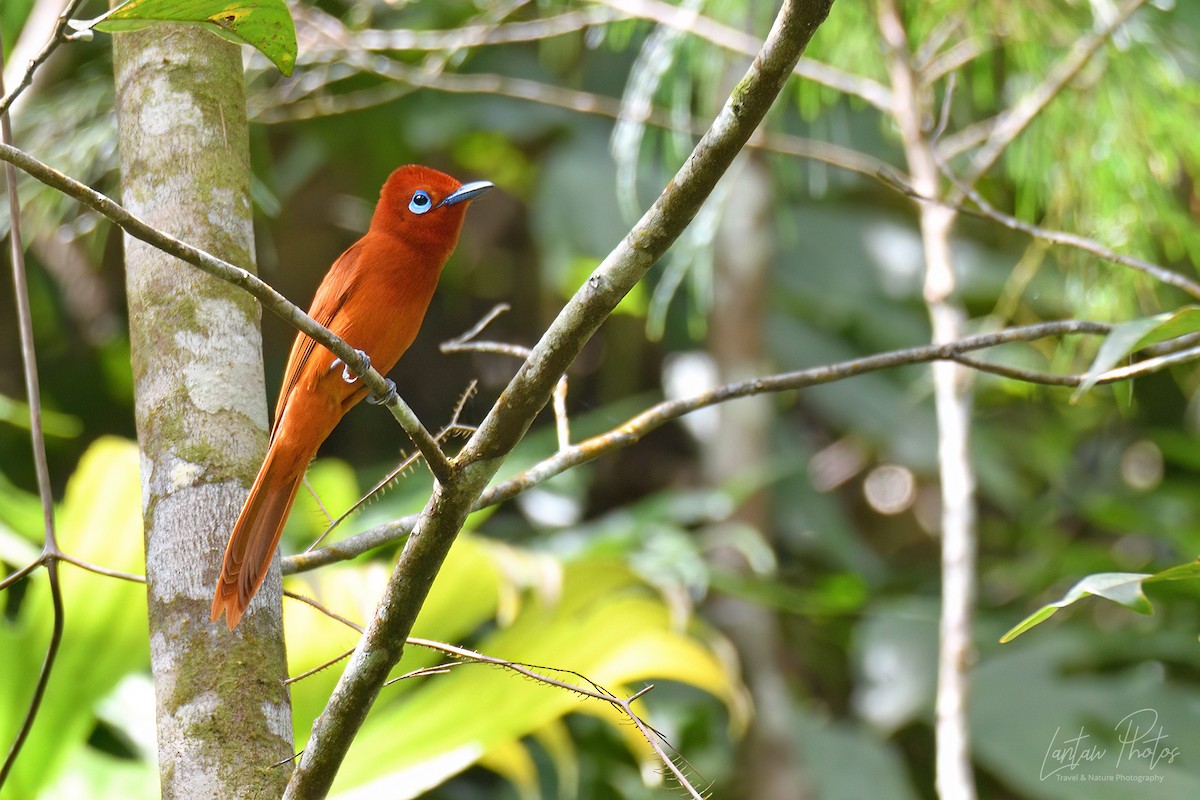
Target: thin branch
(637, 427)
(331, 614)
(1018, 374)
(484, 35)
(451, 428)
(952, 60)
(13, 577)
(478, 327)
(58, 37)
(652, 736)
(39, 690)
(985, 210)
(1150, 365)
(914, 100)
(534, 91)
(988, 211)
(99, 570)
(33, 397)
(702, 27)
(562, 423)
(1010, 123)
(263, 292)
(465, 343)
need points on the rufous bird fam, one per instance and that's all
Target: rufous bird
(374, 297)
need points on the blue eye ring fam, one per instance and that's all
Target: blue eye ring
(420, 202)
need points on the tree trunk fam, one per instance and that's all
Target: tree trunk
(224, 717)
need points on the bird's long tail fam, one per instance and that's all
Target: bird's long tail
(257, 530)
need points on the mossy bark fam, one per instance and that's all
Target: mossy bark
(224, 716)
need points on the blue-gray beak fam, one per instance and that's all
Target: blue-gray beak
(468, 191)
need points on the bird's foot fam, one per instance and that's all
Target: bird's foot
(377, 400)
(347, 375)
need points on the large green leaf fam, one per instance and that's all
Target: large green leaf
(594, 616)
(105, 629)
(265, 25)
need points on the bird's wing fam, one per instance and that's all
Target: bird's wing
(330, 297)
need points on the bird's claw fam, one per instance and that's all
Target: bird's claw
(377, 400)
(347, 375)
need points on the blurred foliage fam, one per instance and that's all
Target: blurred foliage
(584, 620)
(1067, 489)
(94, 695)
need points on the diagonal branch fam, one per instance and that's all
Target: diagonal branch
(988, 211)
(58, 37)
(263, 292)
(383, 642)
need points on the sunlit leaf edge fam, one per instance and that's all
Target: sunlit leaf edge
(1123, 588)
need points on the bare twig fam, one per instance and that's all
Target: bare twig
(58, 37)
(1009, 124)
(634, 429)
(982, 209)
(465, 343)
(483, 35)
(41, 468)
(988, 211)
(99, 570)
(405, 77)
(331, 614)
(453, 427)
(1150, 365)
(738, 41)
(958, 56)
(654, 738)
(465, 656)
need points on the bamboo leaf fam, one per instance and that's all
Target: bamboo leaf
(1124, 588)
(1135, 334)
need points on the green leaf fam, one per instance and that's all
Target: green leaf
(105, 638)
(593, 615)
(15, 412)
(265, 25)
(1134, 335)
(1124, 588)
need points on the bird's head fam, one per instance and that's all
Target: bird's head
(422, 205)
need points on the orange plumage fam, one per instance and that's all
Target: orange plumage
(374, 297)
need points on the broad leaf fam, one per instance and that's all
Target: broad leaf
(593, 615)
(104, 639)
(265, 25)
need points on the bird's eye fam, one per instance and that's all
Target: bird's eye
(420, 202)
